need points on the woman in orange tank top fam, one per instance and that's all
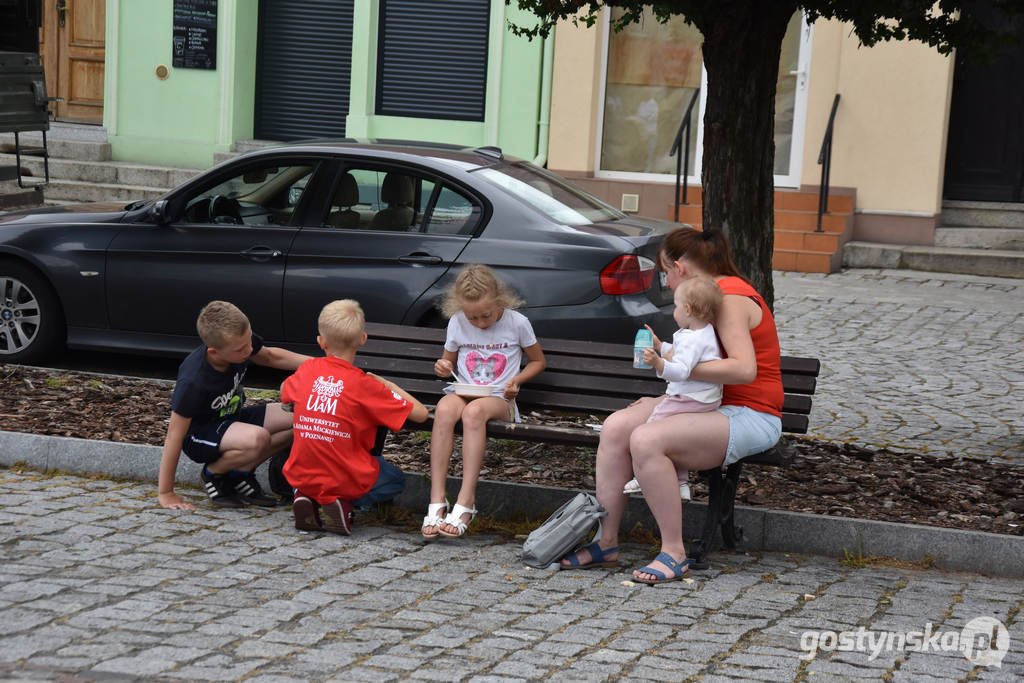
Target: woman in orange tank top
(747, 422)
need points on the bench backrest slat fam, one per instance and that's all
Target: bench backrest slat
(581, 377)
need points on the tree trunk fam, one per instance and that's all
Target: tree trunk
(742, 45)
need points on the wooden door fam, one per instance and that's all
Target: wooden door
(72, 45)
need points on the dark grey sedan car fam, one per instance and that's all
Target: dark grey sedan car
(280, 232)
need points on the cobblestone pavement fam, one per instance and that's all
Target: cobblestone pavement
(98, 584)
(914, 361)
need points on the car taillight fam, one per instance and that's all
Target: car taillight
(628, 274)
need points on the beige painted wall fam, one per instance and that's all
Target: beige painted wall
(890, 134)
(575, 93)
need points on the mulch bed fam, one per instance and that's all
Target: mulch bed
(823, 477)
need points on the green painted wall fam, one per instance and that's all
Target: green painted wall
(185, 119)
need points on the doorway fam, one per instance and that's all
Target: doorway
(72, 45)
(985, 147)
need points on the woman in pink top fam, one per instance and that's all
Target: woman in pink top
(747, 422)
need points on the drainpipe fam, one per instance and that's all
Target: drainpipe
(544, 113)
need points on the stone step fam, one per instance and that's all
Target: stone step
(79, 191)
(1011, 239)
(242, 146)
(804, 261)
(785, 219)
(13, 197)
(809, 240)
(792, 200)
(110, 172)
(784, 200)
(989, 262)
(964, 214)
(80, 150)
(221, 157)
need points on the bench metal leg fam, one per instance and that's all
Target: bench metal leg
(731, 534)
(378, 443)
(700, 548)
(720, 515)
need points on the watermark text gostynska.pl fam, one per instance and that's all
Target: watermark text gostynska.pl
(984, 641)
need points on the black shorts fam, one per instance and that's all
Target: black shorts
(202, 442)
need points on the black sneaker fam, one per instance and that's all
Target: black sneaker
(338, 517)
(219, 489)
(248, 488)
(307, 514)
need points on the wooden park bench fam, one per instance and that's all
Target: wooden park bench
(585, 378)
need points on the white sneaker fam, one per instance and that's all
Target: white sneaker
(633, 486)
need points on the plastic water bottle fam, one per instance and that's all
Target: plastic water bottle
(644, 340)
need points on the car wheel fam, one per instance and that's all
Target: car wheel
(31, 321)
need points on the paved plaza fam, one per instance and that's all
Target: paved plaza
(98, 584)
(912, 361)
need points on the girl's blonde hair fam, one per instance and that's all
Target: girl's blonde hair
(474, 283)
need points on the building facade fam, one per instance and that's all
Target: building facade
(618, 100)
(449, 71)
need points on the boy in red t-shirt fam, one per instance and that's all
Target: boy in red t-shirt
(338, 409)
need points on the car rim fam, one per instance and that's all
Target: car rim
(19, 316)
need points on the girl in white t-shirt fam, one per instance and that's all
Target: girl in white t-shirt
(485, 344)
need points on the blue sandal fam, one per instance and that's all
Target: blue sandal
(597, 558)
(679, 569)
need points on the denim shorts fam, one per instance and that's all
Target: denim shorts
(750, 432)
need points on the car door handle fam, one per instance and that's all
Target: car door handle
(260, 253)
(421, 259)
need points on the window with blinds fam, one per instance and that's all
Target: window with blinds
(432, 59)
(304, 62)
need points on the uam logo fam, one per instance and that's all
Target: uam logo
(324, 397)
(328, 387)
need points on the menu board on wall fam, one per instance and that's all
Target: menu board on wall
(195, 34)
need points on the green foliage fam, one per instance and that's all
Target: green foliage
(945, 25)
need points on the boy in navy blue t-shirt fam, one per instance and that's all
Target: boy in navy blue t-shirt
(208, 421)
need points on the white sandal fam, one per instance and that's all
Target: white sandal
(434, 519)
(454, 519)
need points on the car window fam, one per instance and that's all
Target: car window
(549, 194)
(263, 194)
(397, 200)
(452, 214)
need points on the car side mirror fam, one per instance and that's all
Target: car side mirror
(158, 211)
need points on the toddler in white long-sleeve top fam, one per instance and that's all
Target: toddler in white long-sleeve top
(697, 302)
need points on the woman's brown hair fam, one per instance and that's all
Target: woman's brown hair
(707, 249)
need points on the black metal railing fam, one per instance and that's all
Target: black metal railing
(825, 161)
(683, 159)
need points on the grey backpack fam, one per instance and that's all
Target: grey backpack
(564, 531)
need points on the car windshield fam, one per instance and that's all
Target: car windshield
(549, 194)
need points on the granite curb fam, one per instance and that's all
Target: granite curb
(763, 529)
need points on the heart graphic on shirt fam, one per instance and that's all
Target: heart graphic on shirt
(485, 370)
